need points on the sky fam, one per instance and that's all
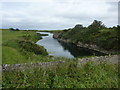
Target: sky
(57, 14)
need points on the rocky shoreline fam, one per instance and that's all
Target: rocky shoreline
(80, 44)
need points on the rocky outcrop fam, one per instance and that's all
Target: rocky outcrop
(114, 59)
(94, 47)
(56, 35)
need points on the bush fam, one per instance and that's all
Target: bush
(32, 47)
(12, 29)
(96, 25)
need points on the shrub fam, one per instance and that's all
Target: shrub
(32, 47)
(12, 29)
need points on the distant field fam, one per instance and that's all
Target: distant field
(12, 35)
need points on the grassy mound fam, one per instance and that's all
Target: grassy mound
(11, 55)
(32, 47)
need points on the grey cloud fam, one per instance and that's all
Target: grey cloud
(57, 14)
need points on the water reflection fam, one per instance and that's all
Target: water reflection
(57, 48)
(79, 51)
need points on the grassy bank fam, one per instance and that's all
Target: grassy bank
(20, 47)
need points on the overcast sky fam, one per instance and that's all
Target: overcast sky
(57, 14)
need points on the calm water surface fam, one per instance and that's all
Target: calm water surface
(61, 49)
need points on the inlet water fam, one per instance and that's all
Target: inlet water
(61, 49)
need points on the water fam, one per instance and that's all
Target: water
(61, 49)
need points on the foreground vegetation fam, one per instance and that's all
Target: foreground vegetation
(96, 34)
(67, 75)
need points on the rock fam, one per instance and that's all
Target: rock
(114, 59)
(8, 67)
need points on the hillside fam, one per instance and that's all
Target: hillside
(95, 36)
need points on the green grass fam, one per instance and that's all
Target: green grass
(13, 35)
(16, 52)
(67, 75)
(11, 55)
